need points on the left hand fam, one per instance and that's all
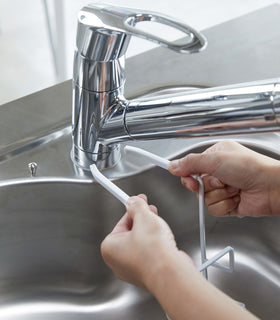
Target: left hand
(139, 243)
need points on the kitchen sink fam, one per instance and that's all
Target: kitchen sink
(53, 221)
(52, 224)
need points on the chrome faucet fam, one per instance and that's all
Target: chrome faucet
(102, 117)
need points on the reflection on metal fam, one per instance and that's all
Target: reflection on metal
(127, 297)
(32, 166)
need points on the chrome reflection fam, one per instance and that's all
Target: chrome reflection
(128, 297)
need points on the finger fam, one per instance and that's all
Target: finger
(211, 183)
(125, 224)
(136, 205)
(225, 207)
(224, 146)
(143, 196)
(153, 209)
(219, 195)
(190, 183)
(195, 164)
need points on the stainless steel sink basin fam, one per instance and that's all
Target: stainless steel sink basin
(52, 225)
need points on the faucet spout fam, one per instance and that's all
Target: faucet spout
(236, 109)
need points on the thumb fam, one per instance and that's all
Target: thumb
(194, 164)
(136, 205)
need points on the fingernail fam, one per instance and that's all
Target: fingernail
(232, 189)
(173, 165)
(236, 199)
(216, 183)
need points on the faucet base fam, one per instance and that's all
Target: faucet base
(107, 157)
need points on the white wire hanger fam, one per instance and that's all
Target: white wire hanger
(164, 163)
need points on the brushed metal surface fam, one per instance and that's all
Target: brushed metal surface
(52, 223)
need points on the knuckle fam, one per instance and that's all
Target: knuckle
(105, 247)
(188, 161)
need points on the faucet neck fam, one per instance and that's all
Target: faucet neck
(98, 76)
(98, 82)
(91, 113)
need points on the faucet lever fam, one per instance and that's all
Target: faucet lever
(124, 20)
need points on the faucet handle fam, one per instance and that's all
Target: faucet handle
(120, 22)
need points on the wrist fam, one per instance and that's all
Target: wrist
(169, 266)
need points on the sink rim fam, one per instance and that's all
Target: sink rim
(129, 165)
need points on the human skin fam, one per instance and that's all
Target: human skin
(141, 250)
(237, 181)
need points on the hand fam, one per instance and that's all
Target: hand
(141, 250)
(139, 243)
(237, 181)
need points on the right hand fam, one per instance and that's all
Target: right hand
(237, 180)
